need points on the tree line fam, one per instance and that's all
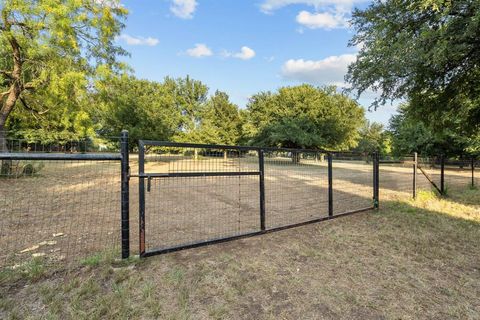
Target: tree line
(61, 79)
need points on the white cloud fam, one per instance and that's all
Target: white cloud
(245, 53)
(200, 50)
(322, 20)
(328, 71)
(138, 41)
(268, 6)
(183, 8)
(327, 14)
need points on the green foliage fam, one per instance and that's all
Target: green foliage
(51, 50)
(176, 109)
(190, 98)
(410, 134)
(374, 138)
(147, 109)
(221, 122)
(303, 117)
(425, 51)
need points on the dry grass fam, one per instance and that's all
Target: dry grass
(409, 260)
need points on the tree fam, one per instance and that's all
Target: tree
(43, 42)
(373, 138)
(220, 121)
(190, 97)
(147, 109)
(409, 134)
(303, 117)
(427, 51)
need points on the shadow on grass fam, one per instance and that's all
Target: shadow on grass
(402, 260)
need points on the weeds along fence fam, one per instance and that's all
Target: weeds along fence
(66, 202)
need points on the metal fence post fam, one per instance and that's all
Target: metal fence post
(125, 206)
(330, 184)
(442, 174)
(141, 197)
(261, 166)
(473, 172)
(415, 165)
(376, 178)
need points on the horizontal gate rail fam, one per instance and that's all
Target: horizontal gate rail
(60, 156)
(193, 145)
(196, 174)
(153, 252)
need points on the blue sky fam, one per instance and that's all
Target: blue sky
(243, 46)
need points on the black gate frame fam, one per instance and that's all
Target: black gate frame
(142, 175)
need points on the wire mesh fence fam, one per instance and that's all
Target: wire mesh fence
(459, 173)
(60, 209)
(66, 202)
(103, 144)
(296, 187)
(352, 181)
(196, 194)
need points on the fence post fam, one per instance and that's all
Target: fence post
(415, 165)
(442, 174)
(376, 178)
(261, 165)
(125, 206)
(473, 172)
(141, 198)
(330, 184)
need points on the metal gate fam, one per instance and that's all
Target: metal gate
(197, 194)
(222, 205)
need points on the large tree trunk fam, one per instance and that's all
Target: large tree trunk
(13, 93)
(5, 165)
(9, 102)
(3, 139)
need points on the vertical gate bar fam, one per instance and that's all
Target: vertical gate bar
(125, 197)
(261, 165)
(415, 165)
(141, 196)
(376, 178)
(473, 171)
(330, 185)
(442, 174)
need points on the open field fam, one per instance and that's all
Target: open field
(409, 260)
(70, 210)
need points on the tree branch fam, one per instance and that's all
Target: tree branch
(6, 73)
(31, 109)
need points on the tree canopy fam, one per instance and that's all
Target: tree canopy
(409, 134)
(147, 109)
(303, 117)
(374, 138)
(425, 51)
(51, 50)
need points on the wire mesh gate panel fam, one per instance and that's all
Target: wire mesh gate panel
(192, 194)
(296, 187)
